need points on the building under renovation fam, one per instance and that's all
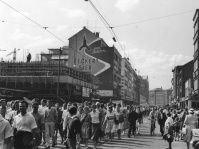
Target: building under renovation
(48, 80)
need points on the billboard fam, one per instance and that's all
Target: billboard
(91, 54)
(85, 92)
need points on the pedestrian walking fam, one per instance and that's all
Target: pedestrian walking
(59, 124)
(39, 121)
(24, 128)
(42, 108)
(73, 129)
(6, 133)
(50, 120)
(95, 123)
(161, 120)
(109, 122)
(190, 123)
(120, 118)
(139, 120)
(85, 126)
(132, 118)
(169, 130)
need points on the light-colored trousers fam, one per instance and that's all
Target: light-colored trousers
(50, 132)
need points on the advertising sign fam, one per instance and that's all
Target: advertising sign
(105, 93)
(91, 54)
(85, 92)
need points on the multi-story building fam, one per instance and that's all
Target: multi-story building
(144, 89)
(196, 57)
(129, 89)
(159, 97)
(180, 75)
(89, 53)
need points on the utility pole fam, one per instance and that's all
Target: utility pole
(60, 51)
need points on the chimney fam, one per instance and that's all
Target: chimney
(97, 34)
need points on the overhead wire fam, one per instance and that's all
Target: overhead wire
(110, 28)
(46, 28)
(152, 19)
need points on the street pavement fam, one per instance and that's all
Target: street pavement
(142, 141)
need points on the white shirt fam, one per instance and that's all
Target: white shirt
(24, 123)
(65, 112)
(6, 131)
(95, 117)
(42, 109)
(169, 121)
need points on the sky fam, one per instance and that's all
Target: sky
(156, 35)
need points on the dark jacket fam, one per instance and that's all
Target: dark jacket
(132, 117)
(162, 120)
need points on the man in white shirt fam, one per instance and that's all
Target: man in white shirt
(6, 132)
(24, 128)
(42, 108)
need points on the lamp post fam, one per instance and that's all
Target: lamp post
(58, 79)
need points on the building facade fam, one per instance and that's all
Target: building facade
(89, 53)
(144, 89)
(180, 75)
(129, 91)
(195, 96)
(159, 97)
(42, 80)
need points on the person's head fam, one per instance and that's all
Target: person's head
(49, 103)
(75, 105)
(119, 105)
(132, 108)
(97, 105)
(35, 107)
(168, 114)
(43, 102)
(191, 111)
(80, 109)
(72, 110)
(86, 110)
(3, 102)
(57, 106)
(16, 105)
(110, 109)
(23, 106)
(69, 105)
(93, 108)
(86, 104)
(64, 106)
(118, 109)
(12, 105)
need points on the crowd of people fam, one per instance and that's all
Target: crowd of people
(28, 124)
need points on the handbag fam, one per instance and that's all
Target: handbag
(184, 130)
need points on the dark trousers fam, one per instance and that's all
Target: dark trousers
(132, 128)
(22, 140)
(71, 144)
(161, 128)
